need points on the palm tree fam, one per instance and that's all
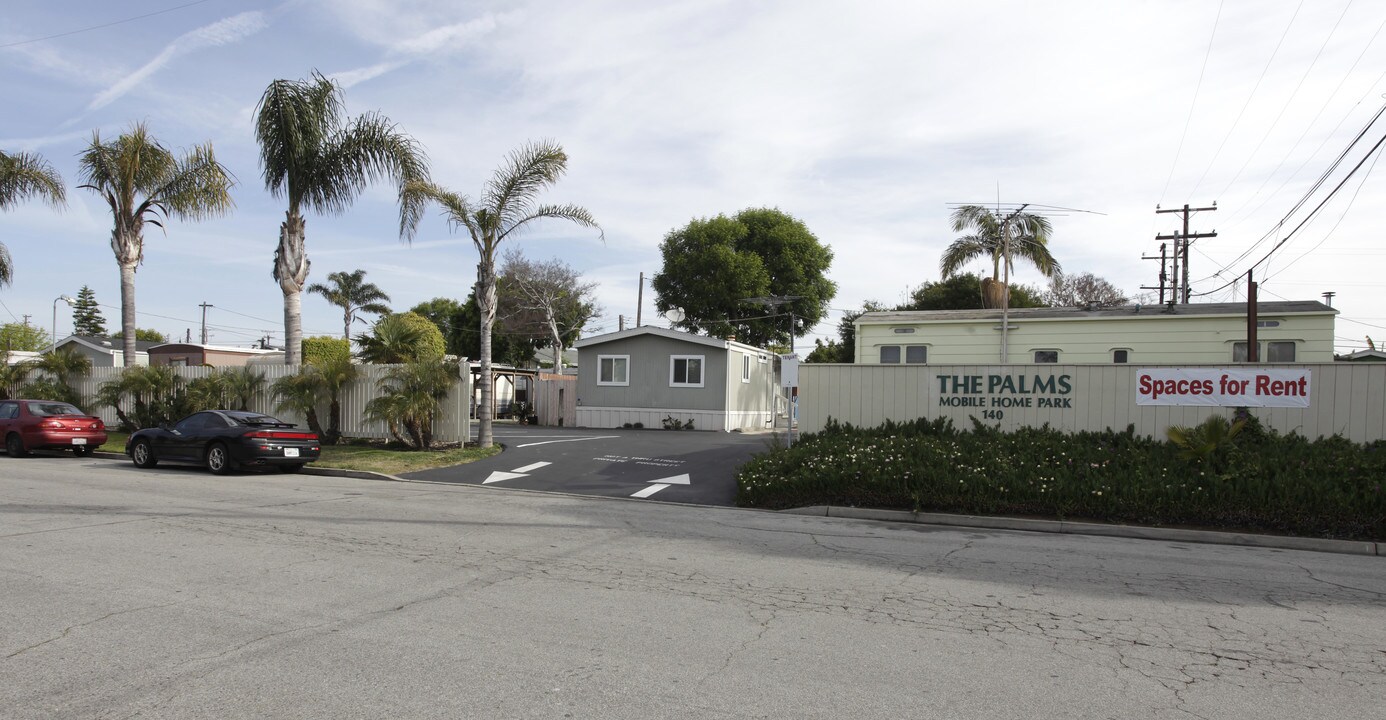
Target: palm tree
(63, 364)
(321, 162)
(412, 399)
(507, 204)
(351, 293)
(143, 182)
(23, 176)
(1029, 239)
(299, 393)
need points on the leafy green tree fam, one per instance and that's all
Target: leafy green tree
(964, 292)
(844, 349)
(321, 161)
(24, 176)
(459, 322)
(544, 301)
(401, 337)
(18, 337)
(142, 180)
(508, 204)
(412, 399)
(351, 293)
(13, 376)
(1028, 240)
(86, 314)
(712, 266)
(143, 335)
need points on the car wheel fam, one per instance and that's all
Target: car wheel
(143, 454)
(14, 445)
(219, 459)
(82, 450)
(286, 469)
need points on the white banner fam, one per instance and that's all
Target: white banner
(1228, 387)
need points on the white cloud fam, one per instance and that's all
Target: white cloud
(221, 32)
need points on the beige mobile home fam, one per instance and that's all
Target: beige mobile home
(1287, 332)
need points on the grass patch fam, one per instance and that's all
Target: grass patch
(391, 459)
(1259, 481)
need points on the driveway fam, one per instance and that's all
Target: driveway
(683, 466)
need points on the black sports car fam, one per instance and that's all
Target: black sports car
(224, 440)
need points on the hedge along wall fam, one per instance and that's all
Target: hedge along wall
(1348, 399)
(452, 426)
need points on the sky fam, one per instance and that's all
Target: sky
(867, 120)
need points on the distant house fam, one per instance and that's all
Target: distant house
(192, 355)
(105, 352)
(1287, 332)
(648, 374)
(1372, 355)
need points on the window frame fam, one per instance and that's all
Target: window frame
(702, 371)
(899, 355)
(1294, 350)
(905, 356)
(613, 382)
(745, 368)
(1035, 355)
(1126, 356)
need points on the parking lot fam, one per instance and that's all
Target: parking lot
(687, 467)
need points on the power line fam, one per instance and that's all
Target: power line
(1194, 103)
(1329, 234)
(106, 25)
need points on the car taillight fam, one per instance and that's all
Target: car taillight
(274, 435)
(51, 425)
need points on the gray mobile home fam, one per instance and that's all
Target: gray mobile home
(647, 374)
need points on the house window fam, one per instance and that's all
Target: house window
(1046, 356)
(745, 368)
(1277, 352)
(913, 354)
(613, 370)
(1121, 357)
(890, 354)
(916, 354)
(686, 371)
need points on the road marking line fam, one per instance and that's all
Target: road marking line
(548, 442)
(498, 476)
(528, 468)
(675, 480)
(650, 490)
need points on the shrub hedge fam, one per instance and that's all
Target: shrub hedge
(1258, 481)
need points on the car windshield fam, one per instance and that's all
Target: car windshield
(49, 409)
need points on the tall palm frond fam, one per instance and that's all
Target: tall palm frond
(24, 176)
(351, 293)
(310, 154)
(144, 182)
(1029, 239)
(507, 206)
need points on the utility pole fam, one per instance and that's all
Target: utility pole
(1006, 281)
(1253, 344)
(640, 300)
(620, 323)
(1181, 247)
(1164, 258)
(204, 307)
(26, 320)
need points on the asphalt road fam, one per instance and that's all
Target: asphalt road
(184, 595)
(683, 466)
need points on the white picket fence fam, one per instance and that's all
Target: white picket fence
(453, 425)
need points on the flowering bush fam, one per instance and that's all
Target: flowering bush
(1262, 481)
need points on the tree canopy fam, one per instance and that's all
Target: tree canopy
(1082, 290)
(86, 314)
(18, 337)
(460, 323)
(544, 302)
(401, 337)
(143, 335)
(712, 266)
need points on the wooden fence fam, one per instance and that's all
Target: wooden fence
(453, 425)
(555, 398)
(1347, 399)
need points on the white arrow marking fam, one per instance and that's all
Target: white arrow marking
(657, 485)
(529, 468)
(498, 476)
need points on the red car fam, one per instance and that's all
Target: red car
(49, 425)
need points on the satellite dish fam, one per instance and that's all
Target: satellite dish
(674, 315)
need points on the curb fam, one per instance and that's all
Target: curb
(1139, 532)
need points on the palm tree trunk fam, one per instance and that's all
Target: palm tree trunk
(127, 312)
(291, 270)
(486, 301)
